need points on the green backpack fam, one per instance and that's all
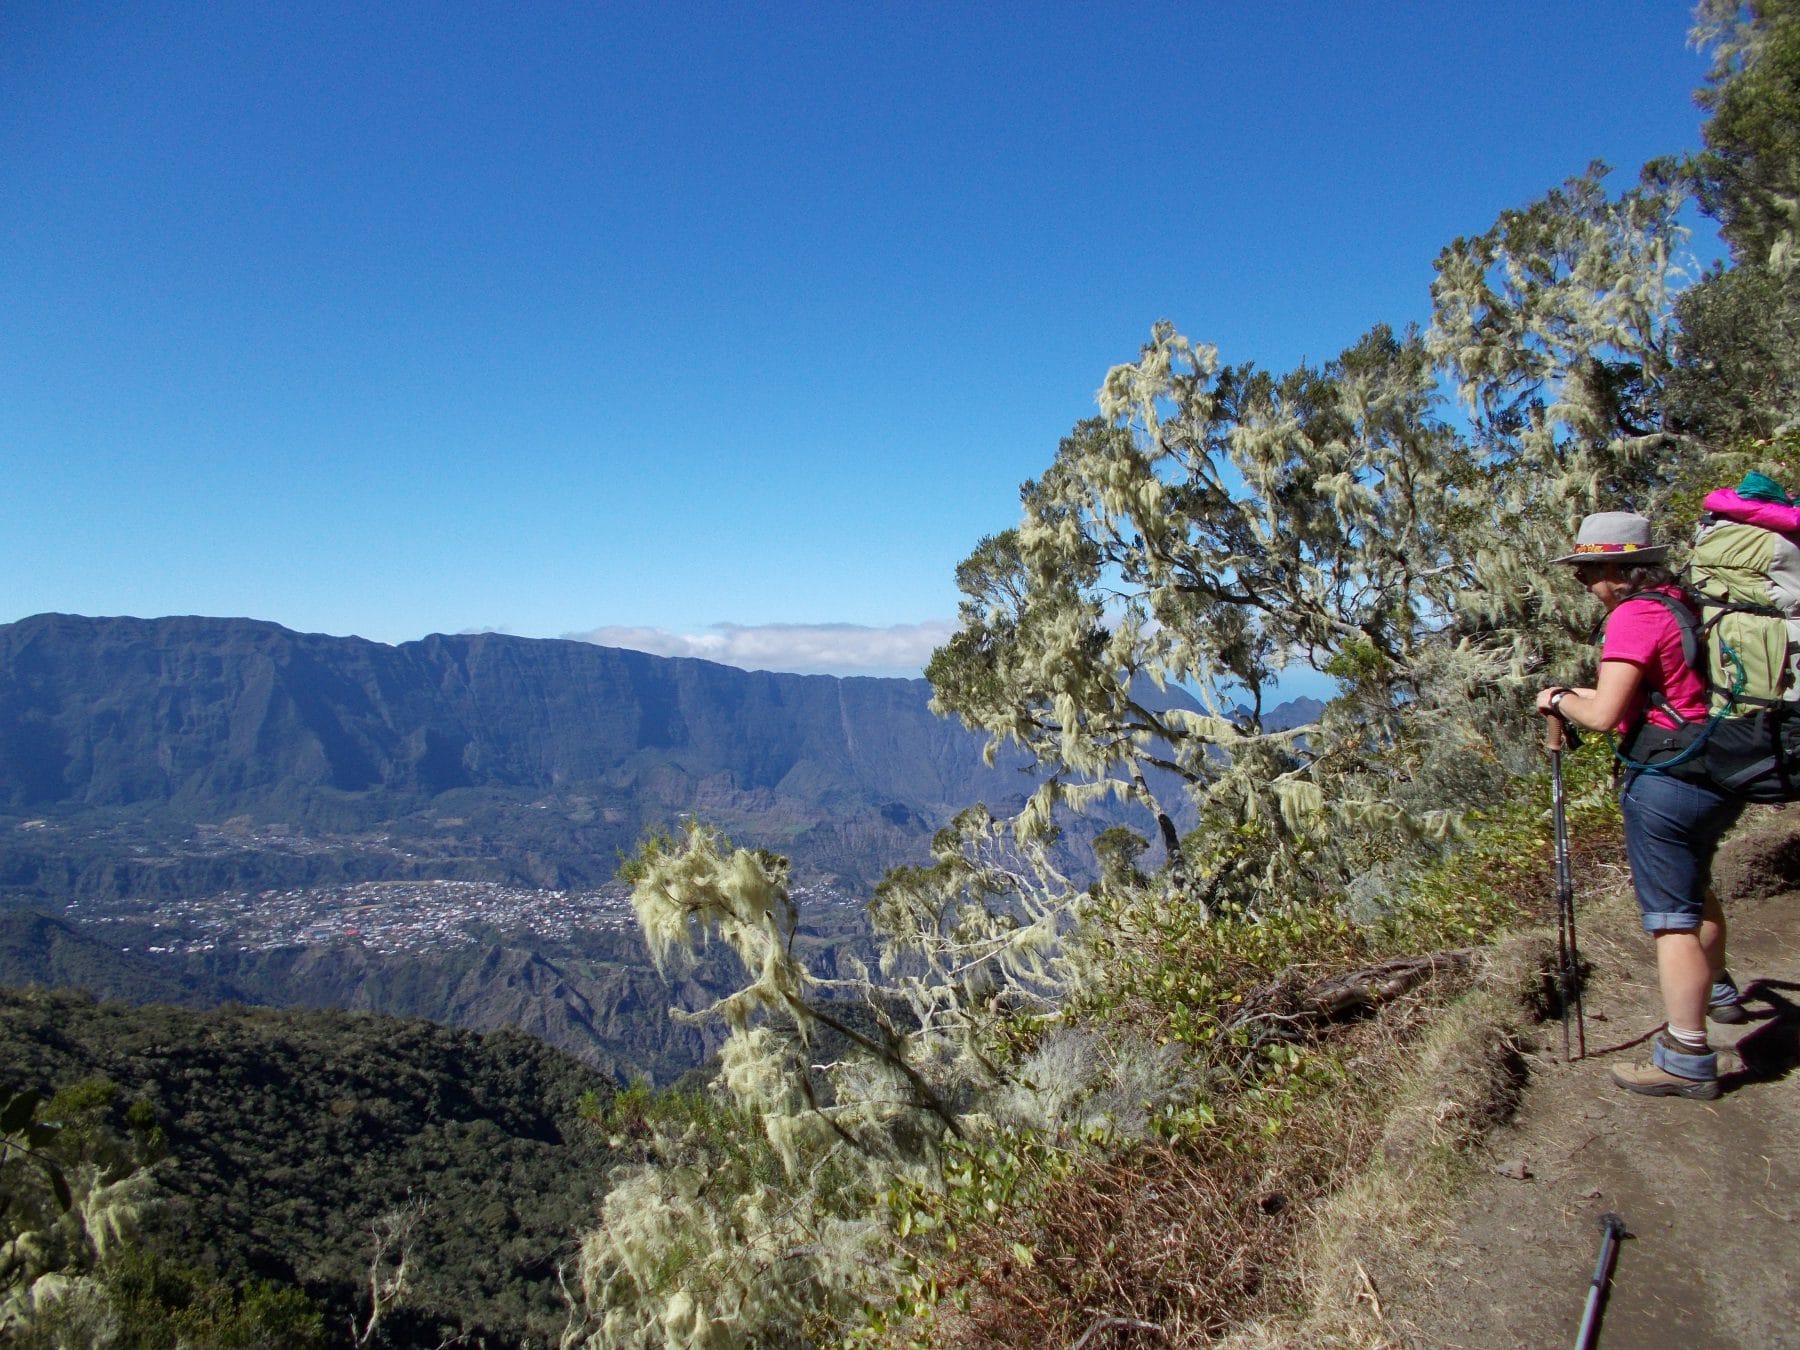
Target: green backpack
(1744, 585)
(1746, 582)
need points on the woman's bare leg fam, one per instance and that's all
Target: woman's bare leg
(1712, 933)
(1685, 972)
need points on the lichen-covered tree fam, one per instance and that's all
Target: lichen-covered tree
(1216, 526)
(1557, 328)
(1737, 370)
(722, 1238)
(71, 1195)
(1556, 324)
(1749, 174)
(1213, 528)
(1737, 374)
(765, 1214)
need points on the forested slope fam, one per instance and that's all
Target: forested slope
(288, 1134)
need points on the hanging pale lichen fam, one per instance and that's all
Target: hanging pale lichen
(1213, 529)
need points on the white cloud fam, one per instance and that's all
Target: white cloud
(802, 648)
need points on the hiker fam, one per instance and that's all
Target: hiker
(1672, 826)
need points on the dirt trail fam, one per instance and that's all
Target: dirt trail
(1709, 1191)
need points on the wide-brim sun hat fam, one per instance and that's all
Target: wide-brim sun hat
(1614, 536)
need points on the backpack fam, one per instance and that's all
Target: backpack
(1745, 573)
(1742, 637)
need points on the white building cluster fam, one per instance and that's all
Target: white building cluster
(385, 916)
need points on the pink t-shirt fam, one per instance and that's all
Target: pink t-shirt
(1644, 633)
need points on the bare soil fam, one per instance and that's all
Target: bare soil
(1709, 1191)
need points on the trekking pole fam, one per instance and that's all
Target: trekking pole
(1557, 733)
(1612, 1228)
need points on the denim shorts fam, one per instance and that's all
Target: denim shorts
(1672, 829)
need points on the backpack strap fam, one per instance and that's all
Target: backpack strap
(1697, 636)
(1687, 742)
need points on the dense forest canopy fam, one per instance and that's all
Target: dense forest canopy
(247, 1149)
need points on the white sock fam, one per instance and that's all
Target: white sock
(1694, 1041)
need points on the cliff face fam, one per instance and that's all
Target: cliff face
(205, 719)
(221, 711)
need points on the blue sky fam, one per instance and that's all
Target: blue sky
(724, 330)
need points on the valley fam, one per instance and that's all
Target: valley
(199, 811)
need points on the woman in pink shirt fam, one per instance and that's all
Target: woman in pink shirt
(1672, 826)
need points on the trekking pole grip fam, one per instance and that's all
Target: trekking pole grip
(1559, 732)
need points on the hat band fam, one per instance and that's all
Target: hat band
(1611, 548)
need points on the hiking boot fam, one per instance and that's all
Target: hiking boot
(1725, 1004)
(1672, 1072)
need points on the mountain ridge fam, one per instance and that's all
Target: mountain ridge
(210, 718)
(552, 754)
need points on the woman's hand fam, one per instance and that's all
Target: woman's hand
(1595, 709)
(1548, 696)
